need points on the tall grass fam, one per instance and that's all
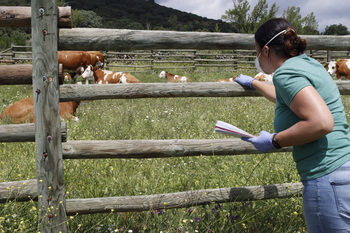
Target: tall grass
(167, 118)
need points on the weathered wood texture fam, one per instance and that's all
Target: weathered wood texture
(20, 74)
(157, 148)
(18, 16)
(27, 190)
(124, 39)
(24, 132)
(16, 74)
(48, 144)
(23, 190)
(153, 90)
(182, 199)
(163, 90)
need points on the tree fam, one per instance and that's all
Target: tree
(292, 14)
(260, 14)
(83, 18)
(245, 22)
(310, 25)
(238, 15)
(307, 25)
(336, 30)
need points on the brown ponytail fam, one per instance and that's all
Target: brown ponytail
(293, 44)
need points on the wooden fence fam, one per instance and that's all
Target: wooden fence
(51, 148)
(172, 59)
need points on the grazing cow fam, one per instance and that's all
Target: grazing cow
(107, 76)
(23, 111)
(340, 68)
(97, 58)
(224, 80)
(174, 78)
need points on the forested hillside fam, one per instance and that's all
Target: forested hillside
(143, 14)
(125, 14)
(138, 14)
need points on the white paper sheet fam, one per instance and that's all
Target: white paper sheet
(226, 128)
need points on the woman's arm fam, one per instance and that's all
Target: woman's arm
(265, 89)
(315, 122)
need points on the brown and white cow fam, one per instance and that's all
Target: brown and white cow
(339, 68)
(107, 76)
(260, 76)
(225, 80)
(263, 77)
(22, 111)
(74, 62)
(172, 78)
(97, 58)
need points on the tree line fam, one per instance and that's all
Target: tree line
(248, 22)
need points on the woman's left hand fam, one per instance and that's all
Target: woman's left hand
(263, 142)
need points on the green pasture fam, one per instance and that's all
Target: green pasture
(163, 118)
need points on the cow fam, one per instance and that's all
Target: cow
(172, 78)
(224, 80)
(22, 111)
(263, 77)
(108, 77)
(74, 62)
(260, 76)
(339, 68)
(97, 58)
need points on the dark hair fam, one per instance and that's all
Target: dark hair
(287, 44)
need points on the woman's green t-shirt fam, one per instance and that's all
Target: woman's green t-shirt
(326, 154)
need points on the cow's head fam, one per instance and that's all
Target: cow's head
(162, 74)
(331, 67)
(88, 73)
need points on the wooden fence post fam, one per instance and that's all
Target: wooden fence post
(51, 191)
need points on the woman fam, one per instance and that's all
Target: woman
(309, 116)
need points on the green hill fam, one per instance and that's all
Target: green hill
(139, 14)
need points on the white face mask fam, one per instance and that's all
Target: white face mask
(257, 63)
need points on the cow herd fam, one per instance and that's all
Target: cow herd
(89, 66)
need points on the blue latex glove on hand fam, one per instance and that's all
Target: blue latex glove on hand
(245, 80)
(263, 142)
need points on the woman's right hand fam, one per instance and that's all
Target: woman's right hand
(245, 80)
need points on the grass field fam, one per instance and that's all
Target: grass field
(166, 118)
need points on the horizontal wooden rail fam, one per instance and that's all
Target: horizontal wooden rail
(25, 132)
(17, 16)
(27, 190)
(153, 90)
(121, 149)
(21, 74)
(181, 199)
(23, 190)
(124, 39)
(162, 90)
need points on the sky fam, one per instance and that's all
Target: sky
(327, 12)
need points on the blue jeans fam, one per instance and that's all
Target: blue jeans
(326, 202)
